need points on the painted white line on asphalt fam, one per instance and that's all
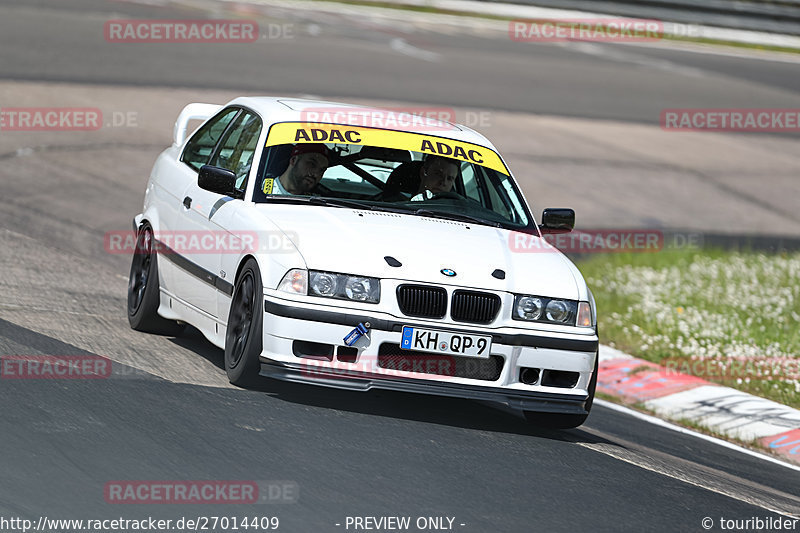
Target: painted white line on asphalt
(400, 45)
(626, 56)
(680, 429)
(717, 50)
(701, 476)
(470, 21)
(517, 11)
(157, 3)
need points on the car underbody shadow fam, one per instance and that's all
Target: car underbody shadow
(191, 339)
(455, 412)
(442, 410)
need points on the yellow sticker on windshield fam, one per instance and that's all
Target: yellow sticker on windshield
(268, 185)
(296, 132)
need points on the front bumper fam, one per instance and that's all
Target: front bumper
(528, 401)
(285, 324)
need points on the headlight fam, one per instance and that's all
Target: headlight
(360, 288)
(528, 307)
(344, 286)
(323, 284)
(557, 311)
(541, 309)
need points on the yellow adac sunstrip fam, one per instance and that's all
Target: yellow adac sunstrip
(298, 132)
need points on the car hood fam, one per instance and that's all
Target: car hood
(358, 241)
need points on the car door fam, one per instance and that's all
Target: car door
(206, 238)
(190, 278)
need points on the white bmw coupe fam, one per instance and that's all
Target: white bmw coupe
(354, 249)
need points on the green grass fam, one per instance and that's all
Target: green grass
(729, 317)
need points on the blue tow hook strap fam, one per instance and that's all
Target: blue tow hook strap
(353, 336)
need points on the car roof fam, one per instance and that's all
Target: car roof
(286, 109)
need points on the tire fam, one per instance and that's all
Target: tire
(143, 288)
(559, 421)
(243, 341)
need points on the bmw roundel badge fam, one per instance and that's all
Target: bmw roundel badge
(448, 272)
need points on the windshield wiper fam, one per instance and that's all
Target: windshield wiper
(457, 216)
(319, 200)
(289, 199)
(354, 204)
(338, 202)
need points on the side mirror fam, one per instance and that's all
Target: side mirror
(218, 180)
(557, 220)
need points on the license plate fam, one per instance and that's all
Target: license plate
(429, 340)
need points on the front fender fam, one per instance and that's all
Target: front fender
(274, 250)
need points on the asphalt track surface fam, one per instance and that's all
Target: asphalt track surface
(54, 40)
(168, 413)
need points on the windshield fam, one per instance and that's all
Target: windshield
(442, 177)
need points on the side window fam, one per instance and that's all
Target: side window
(200, 147)
(499, 204)
(237, 149)
(514, 199)
(471, 187)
